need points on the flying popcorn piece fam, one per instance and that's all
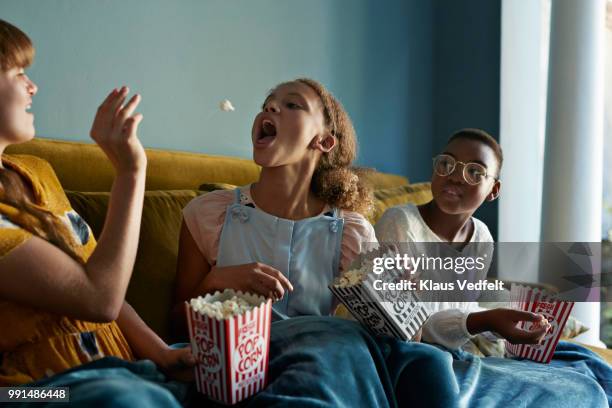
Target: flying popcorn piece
(226, 106)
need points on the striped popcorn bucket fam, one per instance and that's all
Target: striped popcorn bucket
(232, 353)
(555, 311)
(397, 313)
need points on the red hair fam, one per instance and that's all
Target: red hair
(16, 49)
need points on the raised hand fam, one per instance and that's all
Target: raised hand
(115, 128)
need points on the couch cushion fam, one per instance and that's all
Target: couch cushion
(418, 193)
(378, 180)
(84, 167)
(151, 289)
(208, 187)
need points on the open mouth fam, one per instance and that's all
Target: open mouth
(28, 107)
(267, 133)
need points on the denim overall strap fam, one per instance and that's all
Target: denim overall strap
(306, 251)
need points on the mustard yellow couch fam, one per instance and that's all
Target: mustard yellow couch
(173, 179)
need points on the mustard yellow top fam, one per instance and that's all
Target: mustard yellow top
(34, 343)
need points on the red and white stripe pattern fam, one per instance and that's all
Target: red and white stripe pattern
(232, 353)
(556, 312)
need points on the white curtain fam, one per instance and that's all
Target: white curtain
(553, 194)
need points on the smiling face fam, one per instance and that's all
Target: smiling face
(452, 193)
(16, 93)
(288, 128)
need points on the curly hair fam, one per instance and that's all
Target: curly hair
(335, 180)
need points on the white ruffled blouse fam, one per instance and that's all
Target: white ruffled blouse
(447, 324)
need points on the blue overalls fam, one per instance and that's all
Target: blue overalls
(306, 251)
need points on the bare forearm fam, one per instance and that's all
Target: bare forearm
(206, 285)
(175, 362)
(142, 339)
(478, 322)
(110, 266)
(178, 323)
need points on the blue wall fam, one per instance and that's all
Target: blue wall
(409, 72)
(395, 110)
(185, 56)
(467, 74)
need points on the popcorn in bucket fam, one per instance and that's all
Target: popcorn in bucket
(395, 313)
(555, 311)
(230, 339)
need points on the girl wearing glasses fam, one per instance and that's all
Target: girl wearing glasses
(464, 176)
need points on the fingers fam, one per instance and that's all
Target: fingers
(128, 109)
(259, 278)
(109, 97)
(540, 334)
(186, 358)
(520, 315)
(103, 116)
(113, 100)
(276, 274)
(540, 327)
(180, 358)
(520, 336)
(123, 119)
(268, 286)
(115, 103)
(274, 280)
(417, 336)
(114, 129)
(111, 115)
(131, 124)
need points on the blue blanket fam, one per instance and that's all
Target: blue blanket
(112, 382)
(330, 362)
(576, 377)
(334, 363)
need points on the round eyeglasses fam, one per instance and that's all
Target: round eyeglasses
(473, 173)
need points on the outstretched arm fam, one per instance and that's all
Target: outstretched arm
(505, 321)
